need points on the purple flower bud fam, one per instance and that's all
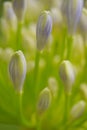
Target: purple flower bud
(19, 7)
(73, 11)
(83, 24)
(17, 70)
(43, 29)
(8, 11)
(44, 100)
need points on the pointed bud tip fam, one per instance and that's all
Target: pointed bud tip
(44, 100)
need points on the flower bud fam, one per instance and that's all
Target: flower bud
(43, 29)
(72, 10)
(67, 75)
(19, 7)
(83, 24)
(83, 90)
(57, 17)
(77, 110)
(53, 86)
(9, 15)
(44, 100)
(17, 70)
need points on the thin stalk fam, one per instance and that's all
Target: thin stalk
(39, 119)
(18, 36)
(36, 69)
(39, 125)
(69, 47)
(22, 119)
(63, 46)
(66, 112)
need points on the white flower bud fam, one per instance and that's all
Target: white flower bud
(77, 110)
(43, 29)
(17, 70)
(67, 75)
(53, 86)
(19, 7)
(44, 100)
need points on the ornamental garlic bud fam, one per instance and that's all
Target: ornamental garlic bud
(72, 10)
(17, 70)
(67, 75)
(19, 7)
(53, 86)
(44, 100)
(8, 11)
(43, 29)
(83, 24)
(77, 110)
(83, 90)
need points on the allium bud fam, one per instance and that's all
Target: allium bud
(77, 110)
(53, 86)
(83, 90)
(83, 23)
(44, 100)
(67, 75)
(17, 70)
(9, 13)
(19, 7)
(43, 29)
(73, 10)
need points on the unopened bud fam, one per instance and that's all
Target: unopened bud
(43, 29)
(72, 10)
(77, 110)
(83, 90)
(44, 100)
(67, 75)
(53, 86)
(17, 70)
(83, 24)
(9, 14)
(19, 7)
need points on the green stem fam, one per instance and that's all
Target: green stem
(63, 46)
(19, 96)
(36, 69)
(18, 36)
(22, 119)
(39, 125)
(69, 47)
(39, 121)
(66, 112)
(80, 122)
